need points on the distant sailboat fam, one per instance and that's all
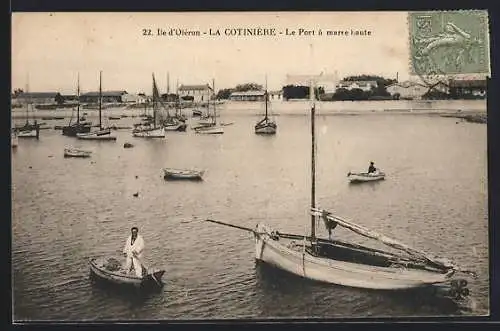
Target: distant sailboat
(266, 125)
(210, 127)
(150, 129)
(102, 133)
(28, 130)
(175, 122)
(72, 129)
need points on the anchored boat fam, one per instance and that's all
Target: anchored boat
(186, 174)
(350, 264)
(75, 152)
(360, 177)
(80, 126)
(150, 129)
(266, 125)
(209, 125)
(102, 133)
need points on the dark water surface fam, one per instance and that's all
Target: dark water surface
(67, 210)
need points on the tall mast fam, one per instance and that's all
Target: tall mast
(154, 102)
(313, 165)
(78, 100)
(27, 98)
(265, 97)
(100, 99)
(215, 111)
(168, 83)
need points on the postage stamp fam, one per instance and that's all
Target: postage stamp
(449, 42)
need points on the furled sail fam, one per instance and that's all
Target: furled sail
(332, 220)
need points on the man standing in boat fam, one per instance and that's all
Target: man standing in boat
(133, 251)
(371, 168)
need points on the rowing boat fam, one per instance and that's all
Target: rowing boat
(359, 177)
(110, 269)
(187, 174)
(75, 152)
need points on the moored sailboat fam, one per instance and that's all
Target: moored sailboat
(103, 133)
(177, 122)
(211, 126)
(150, 129)
(72, 129)
(266, 125)
(28, 130)
(349, 264)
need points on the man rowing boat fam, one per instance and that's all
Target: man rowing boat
(133, 249)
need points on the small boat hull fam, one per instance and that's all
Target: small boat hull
(179, 127)
(28, 134)
(209, 130)
(103, 135)
(73, 152)
(268, 128)
(100, 267)
(299, 262)
(149, 133)
(365, 177)
(183, 174)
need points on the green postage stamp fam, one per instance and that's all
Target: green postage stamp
(449, 42)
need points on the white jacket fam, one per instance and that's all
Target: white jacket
(136, 248)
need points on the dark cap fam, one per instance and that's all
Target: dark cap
(135, 228)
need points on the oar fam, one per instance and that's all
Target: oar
(146, 268)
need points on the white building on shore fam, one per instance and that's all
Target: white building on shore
(196, 93)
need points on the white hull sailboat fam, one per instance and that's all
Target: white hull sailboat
(209, 125)
(103, 134)
(266, 125)
(351, 264)
(29, 130)
(151, 130)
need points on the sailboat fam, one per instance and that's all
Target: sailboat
(28, 130)
(102, 133)
(266, 125)
(80, 126)
(211, 127)
(176, 122)
(350, 264)
(150, 129)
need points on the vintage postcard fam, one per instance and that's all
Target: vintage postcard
(249, 165)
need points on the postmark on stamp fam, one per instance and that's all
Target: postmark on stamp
(449, 43)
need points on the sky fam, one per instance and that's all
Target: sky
(50, 50)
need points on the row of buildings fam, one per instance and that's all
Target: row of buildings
(203, 93)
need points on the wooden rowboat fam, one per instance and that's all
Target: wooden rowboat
(186, 174)
(360, 177)
(75, 152)
(110, 269)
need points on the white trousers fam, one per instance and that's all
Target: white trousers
(137, 265)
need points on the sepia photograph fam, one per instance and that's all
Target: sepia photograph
(249, 165)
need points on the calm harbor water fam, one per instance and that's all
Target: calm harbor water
(67, 210)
